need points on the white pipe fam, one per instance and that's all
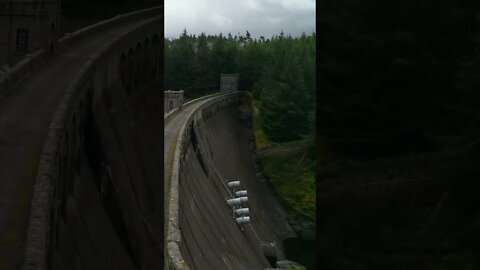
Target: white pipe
(233, 184)
(242, 220)
(241, 193)
(237, 201)
(242, 212)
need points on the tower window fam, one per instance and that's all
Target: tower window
(22, 40)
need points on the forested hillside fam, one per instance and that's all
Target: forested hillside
(279, 72)
(399, 134)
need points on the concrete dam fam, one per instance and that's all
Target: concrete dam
(214, 146)
(80, 155)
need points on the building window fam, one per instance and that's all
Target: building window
(22, 40)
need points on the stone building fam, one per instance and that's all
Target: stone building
(27, 25)
(172, 100)
(229, 82)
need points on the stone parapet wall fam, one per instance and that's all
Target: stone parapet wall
(21, 70)
(170, 114)
(78, 36)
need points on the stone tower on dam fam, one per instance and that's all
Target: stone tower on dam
(27, 25)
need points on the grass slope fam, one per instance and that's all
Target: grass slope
(290, 169)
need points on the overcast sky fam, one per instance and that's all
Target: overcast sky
(259, 17)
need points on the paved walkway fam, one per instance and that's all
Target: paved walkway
(171, 131)
(25, 115)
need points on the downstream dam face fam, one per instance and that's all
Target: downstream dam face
(215, 147)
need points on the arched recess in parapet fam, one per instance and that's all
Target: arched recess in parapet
(130, 66)
(146, 65)
(160, 59)
(137, 66)
(156, 57)
(140, 64)
(123, 70)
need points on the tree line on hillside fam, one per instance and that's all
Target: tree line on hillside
(399, 77)
(278, 71)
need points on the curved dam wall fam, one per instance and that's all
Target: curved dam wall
(98, 198)
(215, 146)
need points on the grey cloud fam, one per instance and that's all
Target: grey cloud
(259, 17)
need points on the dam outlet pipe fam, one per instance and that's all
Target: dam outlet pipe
(237, 201)
(242, 212)
(242, 220)
(241, 193)
(233, 184)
